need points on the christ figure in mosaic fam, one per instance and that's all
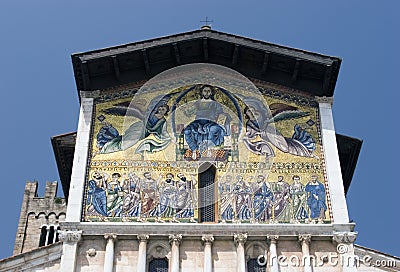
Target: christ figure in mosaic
(204, 131)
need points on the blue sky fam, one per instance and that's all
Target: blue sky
(40, 99)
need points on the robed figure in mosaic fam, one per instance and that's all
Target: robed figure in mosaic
(243, 203)
(282, 200)
(97, 197)
(299, 199)
(262, 200)
(131, 203)
(226, 198)
(316, 198)
(204, 132)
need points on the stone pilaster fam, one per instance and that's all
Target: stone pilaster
(142, 256)
(207, 241)
(70, 239)
(305, 240)
(175, 240)
(273, 253)
(109, 256)
(240, 239)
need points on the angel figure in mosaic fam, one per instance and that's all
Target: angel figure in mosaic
(243, 203)
(131, 203)
(261, 133)
(263, 199)
(299, 199)
(225, 187)
(151, 123)
(186, 197)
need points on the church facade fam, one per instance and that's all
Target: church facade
(201, 151)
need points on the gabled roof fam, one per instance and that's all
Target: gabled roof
(120, 65)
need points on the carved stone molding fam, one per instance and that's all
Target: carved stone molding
(240, 238)
(305, 238)
(91, 252)
(112, 236)
(344, 237)
(175, 239)
(207, 239)
(70, 236)
(143, 238)
(324, 99)
(273, 238)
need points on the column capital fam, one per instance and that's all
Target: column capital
(207, 238)
(324, 99)
(175, 238)
(143, 238)
(240, 238)
(273, 238)
(70, 236)
(89, 94)
(305, 238)
(346, 237)
(110, 236)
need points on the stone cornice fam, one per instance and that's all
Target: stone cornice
(221, 230)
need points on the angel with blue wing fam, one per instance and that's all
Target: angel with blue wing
(155, 125)
(261, 132)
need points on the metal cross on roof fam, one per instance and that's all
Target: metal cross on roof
(207, 21)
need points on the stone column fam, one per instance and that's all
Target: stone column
(240, 239)
(70, 241)
(305, 240)
(175, 241)
(344, 246)
(142, 257)
(207, 240)
(109, 256)
(273, 253)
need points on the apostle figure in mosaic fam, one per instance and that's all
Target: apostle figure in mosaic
(131, 189)
(262, 201)
(299, 199)
(243, 203)
(186, 197)
(97, 198)
(114, 195)
(168, 198)
(316, 198)
(149, 196)
(282, 200)
(204, 131)
(226, 198)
